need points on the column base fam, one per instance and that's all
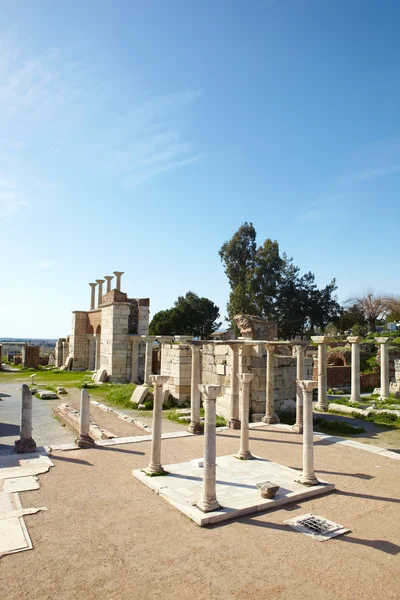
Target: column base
(323, 407)
(270, 419)
(85, 441)
(244, 456)
(297, 428)
(308, 481)
(208, 505)
(234, 424)
(155, 471)
(195, 428)
(23, 446)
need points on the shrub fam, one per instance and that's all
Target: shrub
(287, 416)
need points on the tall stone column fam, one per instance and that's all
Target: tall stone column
(108, 278)
(195, 426)
(93, 296)
(148, 358)
(84, 440)
(308, 475)
(322, 340)
(155, 466)
(234, 421)
(385, 393)
(26, 443)
(300, 350)
(135, 358)
(118, 275)
(355, 367)
(208, 500)
(244, 451)
(270, 415)
(100, 291)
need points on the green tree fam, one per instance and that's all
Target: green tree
(190, 315)
(269, 285)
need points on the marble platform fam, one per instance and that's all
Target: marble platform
(236, 487)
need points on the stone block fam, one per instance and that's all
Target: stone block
(268, 489)
(47, 395)
(140, 394)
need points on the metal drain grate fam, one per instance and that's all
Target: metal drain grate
(317, 527)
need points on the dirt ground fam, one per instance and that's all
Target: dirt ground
(107, 535)
(111, 422)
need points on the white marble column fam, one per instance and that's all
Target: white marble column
(97, 339)
(155, 466)
(148, 358)
(208, 501)
(245, 380)
(322, 340)
(108, 278)
(308, 475)
(84, 440)
(234, 421)
(299, 350)
(93, 296)
(26, 443)
(135, 359)
(100, 292)
(118, 275)
(355, 367)
(195, 426)
(385, 389)
(270, 415)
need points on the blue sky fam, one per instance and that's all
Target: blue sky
(138, 136)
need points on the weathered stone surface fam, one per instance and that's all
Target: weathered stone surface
(100, 376)
(267, 489)
(47, 395)
(255, 328)
(139, 395)
(61, 390)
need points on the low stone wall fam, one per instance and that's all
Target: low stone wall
(338, 376)
(216, 368)
(370, 379)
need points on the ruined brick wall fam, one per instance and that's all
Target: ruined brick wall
(133, 316)
(115, 349)
(30, 356)
(143, 316)
(338, 376)
(78, 342)
(370, 379)
(93, 321)
(176, 362)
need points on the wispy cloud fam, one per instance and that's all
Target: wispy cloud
(369, 174)
(321, 210)
(70, 100)
(12, 200)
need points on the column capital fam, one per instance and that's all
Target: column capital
(149, 338)
(354, 339)
(159, 380)
(93, 285)
(195, 347)
(382, 340)
(271, 346)
(307, 385)
(99, 281)
(210, 391)
(245, 377)
(118, 273)
(321, 339)
(108, 277)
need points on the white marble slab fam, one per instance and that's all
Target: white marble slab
(236, 487)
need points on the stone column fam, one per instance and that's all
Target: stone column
(93, 296)
(84, 440)
(308, 475)
(155, 466)
(355, 367)
(270, 415)
(300, 350)
(108, 278)
(208, 500)
(322, 340)
(26, 443)
(385, 393)
(234, 421)
(148, 358)
(244, 451)
(118, 275)
(195, 426)
(100, 291)
(135, 357)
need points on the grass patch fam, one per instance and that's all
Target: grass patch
(338, 426)
(346, 402)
